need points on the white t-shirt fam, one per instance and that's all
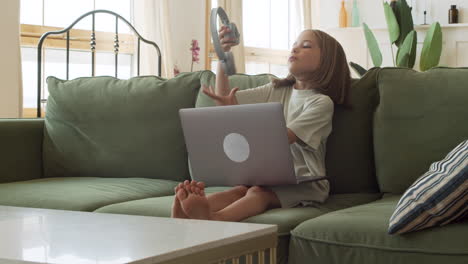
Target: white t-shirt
(309, 115)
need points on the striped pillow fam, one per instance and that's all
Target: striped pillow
(437, 198)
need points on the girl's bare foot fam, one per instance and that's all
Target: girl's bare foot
(180, 194)
(195, 205)
(197, 187)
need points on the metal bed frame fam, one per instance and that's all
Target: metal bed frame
(92, 48)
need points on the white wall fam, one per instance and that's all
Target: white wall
(187, 23)
(10, 62)
(371, 11)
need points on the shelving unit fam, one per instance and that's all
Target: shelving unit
(417, 27)
(454, 44)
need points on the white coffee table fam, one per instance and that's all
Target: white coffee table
(29, 235)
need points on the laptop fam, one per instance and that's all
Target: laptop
(238, 145)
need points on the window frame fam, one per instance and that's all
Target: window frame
(79, 39)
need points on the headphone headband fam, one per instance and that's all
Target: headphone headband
(225, 58)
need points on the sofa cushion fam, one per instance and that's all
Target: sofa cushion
(286, 219)
(81, 193)
(437, 198)
(350, 156)
(106, 127)
(420, 118)
(359, 235)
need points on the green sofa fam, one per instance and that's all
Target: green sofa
(116, 146)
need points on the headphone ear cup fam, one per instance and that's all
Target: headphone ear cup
(229, 64)
(234, 34)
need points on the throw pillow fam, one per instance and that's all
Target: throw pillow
(437, 198)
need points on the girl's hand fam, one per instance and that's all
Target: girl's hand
(226, 43)
(229, 99)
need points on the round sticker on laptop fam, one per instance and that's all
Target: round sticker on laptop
(236, 147)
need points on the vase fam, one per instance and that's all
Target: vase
(355, 15)
(343, 15)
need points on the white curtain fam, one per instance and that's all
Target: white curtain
(306, 6)
(233, 9)
(11, 94)
(299, 18)
(151, 19)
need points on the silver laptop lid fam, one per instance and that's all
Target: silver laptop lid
(238, 145)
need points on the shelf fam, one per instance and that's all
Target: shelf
(459, 25)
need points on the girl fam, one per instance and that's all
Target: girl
(318, 78)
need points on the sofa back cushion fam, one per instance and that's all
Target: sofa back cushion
(420, 118)
(106, 127)
(350, 157)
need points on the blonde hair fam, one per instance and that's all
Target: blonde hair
(332, 75)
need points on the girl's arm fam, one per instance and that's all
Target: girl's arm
(313, 124)
(291, 136)
(222, 82)
(222, 94)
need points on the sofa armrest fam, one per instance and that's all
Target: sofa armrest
(20, 149)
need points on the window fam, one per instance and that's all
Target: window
(37, 17)
(272, 28)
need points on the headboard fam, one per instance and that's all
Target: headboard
(92, 49)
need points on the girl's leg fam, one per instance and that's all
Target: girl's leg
(256, 201)
(220, 200)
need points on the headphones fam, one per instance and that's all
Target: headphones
(225, 58)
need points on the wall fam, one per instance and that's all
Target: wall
(371, 11)
(10, 64)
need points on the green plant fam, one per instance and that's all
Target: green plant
(402, 34)
(432, 48)
(374, 49)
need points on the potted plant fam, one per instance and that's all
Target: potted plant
(403, 36)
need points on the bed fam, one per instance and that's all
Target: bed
(92, 48)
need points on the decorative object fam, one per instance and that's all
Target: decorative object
(438, 198)
(41, 102)
(355, 15)
(453, 15)
(402, 34)
(343, 20)
(176, 70)
(425, 12)
(195, 49)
